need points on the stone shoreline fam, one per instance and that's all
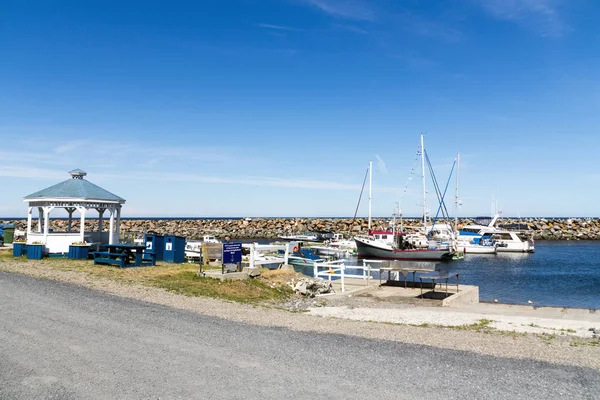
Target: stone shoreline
(271, 228)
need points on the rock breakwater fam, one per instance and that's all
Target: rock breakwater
(271, 228)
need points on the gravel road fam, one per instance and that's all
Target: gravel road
(65, 341)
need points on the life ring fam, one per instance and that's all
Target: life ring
(295, 249)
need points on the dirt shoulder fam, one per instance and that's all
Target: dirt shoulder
(475, 338)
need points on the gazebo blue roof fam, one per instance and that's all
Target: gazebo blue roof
(76, 188)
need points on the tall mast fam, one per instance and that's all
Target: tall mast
(370, 189)
(423, 177)
(456, 193)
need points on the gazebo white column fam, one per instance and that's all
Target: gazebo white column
(40, 216)
(29, 218)
(118, 230)
(47, 222)
(111, 231)
(81, 223)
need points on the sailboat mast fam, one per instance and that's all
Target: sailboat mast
(423, 178)
(370, 189)
(456, 193)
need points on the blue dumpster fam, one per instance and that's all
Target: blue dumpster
(155, 243)
(174, 249)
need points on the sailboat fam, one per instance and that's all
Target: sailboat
(394, 244)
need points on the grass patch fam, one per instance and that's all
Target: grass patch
(178, 278)
(244, 291)
(483, 325)
(584, 342)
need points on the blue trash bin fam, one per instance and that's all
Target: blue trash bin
(155, 243)
(35, 251)
(19, 249)
(174, 249)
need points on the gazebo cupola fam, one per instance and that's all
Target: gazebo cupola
(73, 195)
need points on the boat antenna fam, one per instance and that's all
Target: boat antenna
(360, 197)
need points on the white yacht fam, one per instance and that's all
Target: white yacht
(507, 241)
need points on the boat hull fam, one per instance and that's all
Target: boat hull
(368, 250)
(477, 249)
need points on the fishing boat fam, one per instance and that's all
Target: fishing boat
(394, 246)
(304, 260)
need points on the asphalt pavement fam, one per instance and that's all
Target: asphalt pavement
(62, 341)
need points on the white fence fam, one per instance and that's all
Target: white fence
(332, 269)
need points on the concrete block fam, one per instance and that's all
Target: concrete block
(467, 295)
(252, 272)
(233, 276)
(286, 267)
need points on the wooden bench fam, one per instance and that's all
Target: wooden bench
(104, 257)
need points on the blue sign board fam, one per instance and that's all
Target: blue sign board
(232, 253)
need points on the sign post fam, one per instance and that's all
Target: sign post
(232, 254)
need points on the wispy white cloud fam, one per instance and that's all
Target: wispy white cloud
(279, 27)
(427, 27)
(381, 165)
(542, 16)
(351, 28)
(16, 171)
(349, 9)
(70, 146)
(298, 183)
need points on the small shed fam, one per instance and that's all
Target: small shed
(73, 195)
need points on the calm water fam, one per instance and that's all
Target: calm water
(562, 274)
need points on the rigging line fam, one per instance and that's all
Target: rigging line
(445, 213)
(444, 195)
(433, 177)
(360, 197)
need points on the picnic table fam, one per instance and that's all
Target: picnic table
(401, 270)
(438, 276)
(124, 255)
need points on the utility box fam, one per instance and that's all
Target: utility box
(174, 249)
(156, 244)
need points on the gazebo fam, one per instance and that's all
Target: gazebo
(75, 194)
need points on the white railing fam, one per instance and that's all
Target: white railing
(332, 269)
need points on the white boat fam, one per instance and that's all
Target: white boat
(476, 246)
(393, 246)
(339, 242)
(508, 241)
(193, 248)
(302, 237)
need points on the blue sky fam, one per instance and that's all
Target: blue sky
(275, 107)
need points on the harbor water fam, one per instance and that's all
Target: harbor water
(558, 274)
